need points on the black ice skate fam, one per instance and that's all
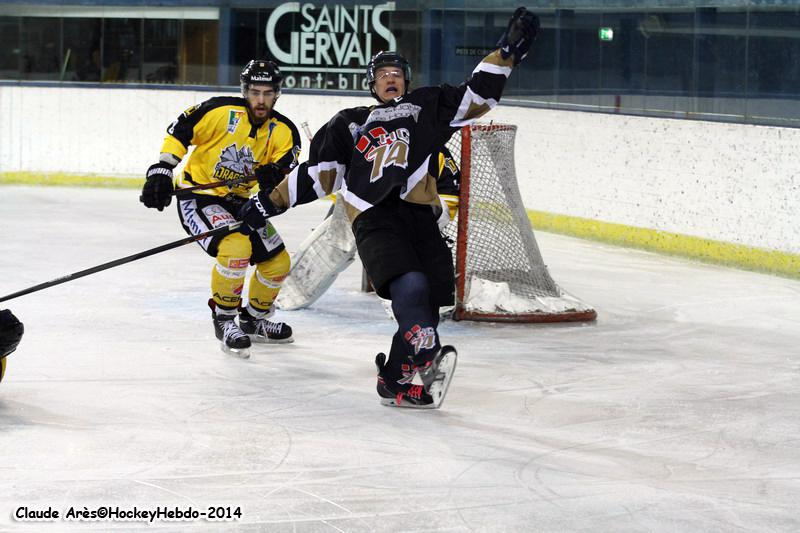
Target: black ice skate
(261, 330)
(234, 340)
(414, 386)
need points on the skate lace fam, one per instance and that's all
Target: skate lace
(231, 330)
(265, 327)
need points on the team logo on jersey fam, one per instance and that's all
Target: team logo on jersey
(384, 149)
(234, 164)
(218, 216)
(269, 237)
(421, 338)
(234, 117)
(401, 110)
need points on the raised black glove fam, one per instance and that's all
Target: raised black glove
(269, 176)
(255, 213)
(158, 189)
(521, 32)
(11, 331)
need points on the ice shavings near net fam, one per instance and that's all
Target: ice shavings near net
(488, 296)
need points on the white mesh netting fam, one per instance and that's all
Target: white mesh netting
(501, 272)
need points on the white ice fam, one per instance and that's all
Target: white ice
(679, 410)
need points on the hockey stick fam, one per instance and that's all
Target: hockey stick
(122, 261)
(214, 185)
(307, 131)
(225, 183)
(230, 183)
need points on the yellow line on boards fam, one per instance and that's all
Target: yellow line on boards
(72, 180)
(706, 250)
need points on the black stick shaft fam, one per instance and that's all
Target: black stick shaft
(214, 185)
(122, 261)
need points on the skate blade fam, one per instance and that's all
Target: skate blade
(262, 340)
(436, 371)
(241, 353)
(443, 376)
(392, 402)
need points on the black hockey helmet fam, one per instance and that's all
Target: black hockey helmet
(387, 59)
(261, 71)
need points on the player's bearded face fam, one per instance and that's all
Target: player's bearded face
(261, 99)
(389, 83)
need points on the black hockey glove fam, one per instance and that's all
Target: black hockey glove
(255, 213)
(11, 331)
(521, 32)
(158, 189)
(269, 176)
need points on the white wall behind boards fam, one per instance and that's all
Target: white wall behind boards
(728, 182)
(733, 183)
(115, 132)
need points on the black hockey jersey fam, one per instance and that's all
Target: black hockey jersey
(372, 152)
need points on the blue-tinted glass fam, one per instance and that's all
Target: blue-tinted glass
(82, 37)
(244, 41)
(623, 57)
(773, 65)
(733, 62)
(160, 62)
(720, 56)
(10, 50)
(199, 52)
(669, 46)
(774, 58)
(41, 48)
(537, 74)
(121, 55)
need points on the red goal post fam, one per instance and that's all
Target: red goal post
(500, 274)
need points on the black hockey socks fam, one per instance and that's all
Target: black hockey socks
(416, 338)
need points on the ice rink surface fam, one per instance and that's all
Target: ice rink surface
(679, 410)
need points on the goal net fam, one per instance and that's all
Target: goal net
(500, 274)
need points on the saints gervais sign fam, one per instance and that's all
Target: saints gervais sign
(327, 47)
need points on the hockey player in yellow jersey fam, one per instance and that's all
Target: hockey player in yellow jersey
(11, 330)
(238, 141)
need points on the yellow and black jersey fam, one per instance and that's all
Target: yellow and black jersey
(228, 145)
(448, 179)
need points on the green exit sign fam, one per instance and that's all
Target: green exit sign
(605, 34)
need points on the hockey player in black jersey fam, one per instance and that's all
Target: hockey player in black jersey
(331, 247)
(379, 157)
(233, 138)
